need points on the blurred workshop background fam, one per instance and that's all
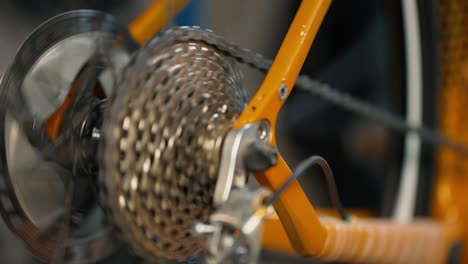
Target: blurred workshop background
(359, 50)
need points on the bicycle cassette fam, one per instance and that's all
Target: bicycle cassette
(162, 142)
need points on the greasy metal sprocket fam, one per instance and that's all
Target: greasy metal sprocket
(161, 144)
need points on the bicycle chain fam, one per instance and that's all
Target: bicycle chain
(316, 88)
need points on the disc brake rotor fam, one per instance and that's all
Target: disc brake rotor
(34, 188)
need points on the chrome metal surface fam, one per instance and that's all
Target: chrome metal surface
(34, 190)
(232, 170)
(236, 227)
(162, 144)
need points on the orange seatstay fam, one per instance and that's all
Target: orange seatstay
(154, 18)
(294, 209)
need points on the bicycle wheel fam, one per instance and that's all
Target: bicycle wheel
(367, 58)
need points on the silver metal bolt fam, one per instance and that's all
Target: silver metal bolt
(283, 91)
(96, 134)
(228, 241)
(241, 251)
(200, 229)
(264, 130)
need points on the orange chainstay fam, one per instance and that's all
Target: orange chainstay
(371, 240)
(54, 122)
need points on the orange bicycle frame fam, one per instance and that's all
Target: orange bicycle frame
(298, 228)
